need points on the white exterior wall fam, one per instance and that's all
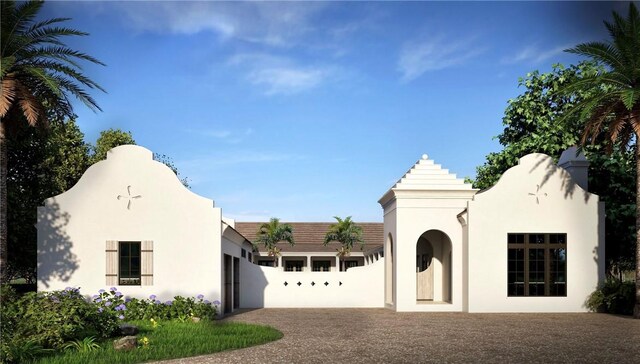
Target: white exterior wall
(416, 216)
(185, 229)
(264, 287)
(390, 262)
(511, 207)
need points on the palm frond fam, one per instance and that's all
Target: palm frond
(33, 52)
(630, 97)
(15, 19)
(29, 104)
(599, 51)
(5, 65)
(7, 95)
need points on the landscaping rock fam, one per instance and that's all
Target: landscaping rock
(128, 329)
(195, 319)
(125, 343)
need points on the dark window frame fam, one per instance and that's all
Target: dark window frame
(325, 265)
(544, 247)
(294, 265)
(125, 275)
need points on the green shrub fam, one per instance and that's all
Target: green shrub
(9, 313)
(21, 351)
(614, 296)
(52, 318)
(33, 323)
(86, 345)
(180, 308)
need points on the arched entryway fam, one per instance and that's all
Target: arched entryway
(389, 287)
(433, 267)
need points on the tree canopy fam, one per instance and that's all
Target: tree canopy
(38, 74)
(345, 232)
(535, 122)
(610, 112)
(272, 232)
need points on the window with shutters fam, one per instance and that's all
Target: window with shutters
(129, 273)
(129, 263)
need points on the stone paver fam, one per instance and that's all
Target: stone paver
(385, 336)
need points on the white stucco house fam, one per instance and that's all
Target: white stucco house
(534, 242)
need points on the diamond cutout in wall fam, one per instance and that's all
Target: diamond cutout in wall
(340, 283)
(326, 283)
(286, 284)
(313, 283)
(299, 284)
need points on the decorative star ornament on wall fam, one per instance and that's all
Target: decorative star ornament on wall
(128, 197)
(538, 194)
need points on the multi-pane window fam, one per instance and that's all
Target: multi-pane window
(129, 269)
(321, 266)
(293, 266)
(266, 263)
(243, 253)
(350, 264)
(537, 265)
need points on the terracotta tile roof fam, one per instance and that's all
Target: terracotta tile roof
(309, 236)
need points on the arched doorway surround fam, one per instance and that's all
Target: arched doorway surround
(433, 267)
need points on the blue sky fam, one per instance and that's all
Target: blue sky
(304, 111)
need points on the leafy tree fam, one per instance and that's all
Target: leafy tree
(532, 124)
(168, 161)
(37, 72)
(611, 112)
(530, 120)
(271, 233)
(112, 138)
(43, 162)
(347, 233)
(107, 140)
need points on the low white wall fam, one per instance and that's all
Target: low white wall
(265, 287)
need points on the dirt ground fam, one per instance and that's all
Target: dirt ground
(385, 336)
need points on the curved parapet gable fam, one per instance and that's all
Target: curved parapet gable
(511, 251)
(537, 175)
(130, 198)
(128, 163)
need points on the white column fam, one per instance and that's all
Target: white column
(308, 269)
(337, 264)
(280, 262)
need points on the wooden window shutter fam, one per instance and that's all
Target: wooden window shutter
(147, 263)
(111, 252)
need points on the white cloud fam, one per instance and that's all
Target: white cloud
(272, 23)
(240, 158)
(231, 137)
(279, 75)
(287, 80)
(532, 54)
(435, 53)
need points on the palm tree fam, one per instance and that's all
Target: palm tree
(38, 74)
(611, 113)
(271, 233)
(347, 233)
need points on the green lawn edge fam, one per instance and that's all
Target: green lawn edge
(173, 340)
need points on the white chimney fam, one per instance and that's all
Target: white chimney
(577, 166)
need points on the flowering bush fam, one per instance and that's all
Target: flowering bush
(180, 308)
(46, 320)
(110, 305)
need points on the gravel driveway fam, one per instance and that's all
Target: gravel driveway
(385, 336)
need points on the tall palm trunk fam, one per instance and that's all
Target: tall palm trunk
(636, 309)
(3, 205)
